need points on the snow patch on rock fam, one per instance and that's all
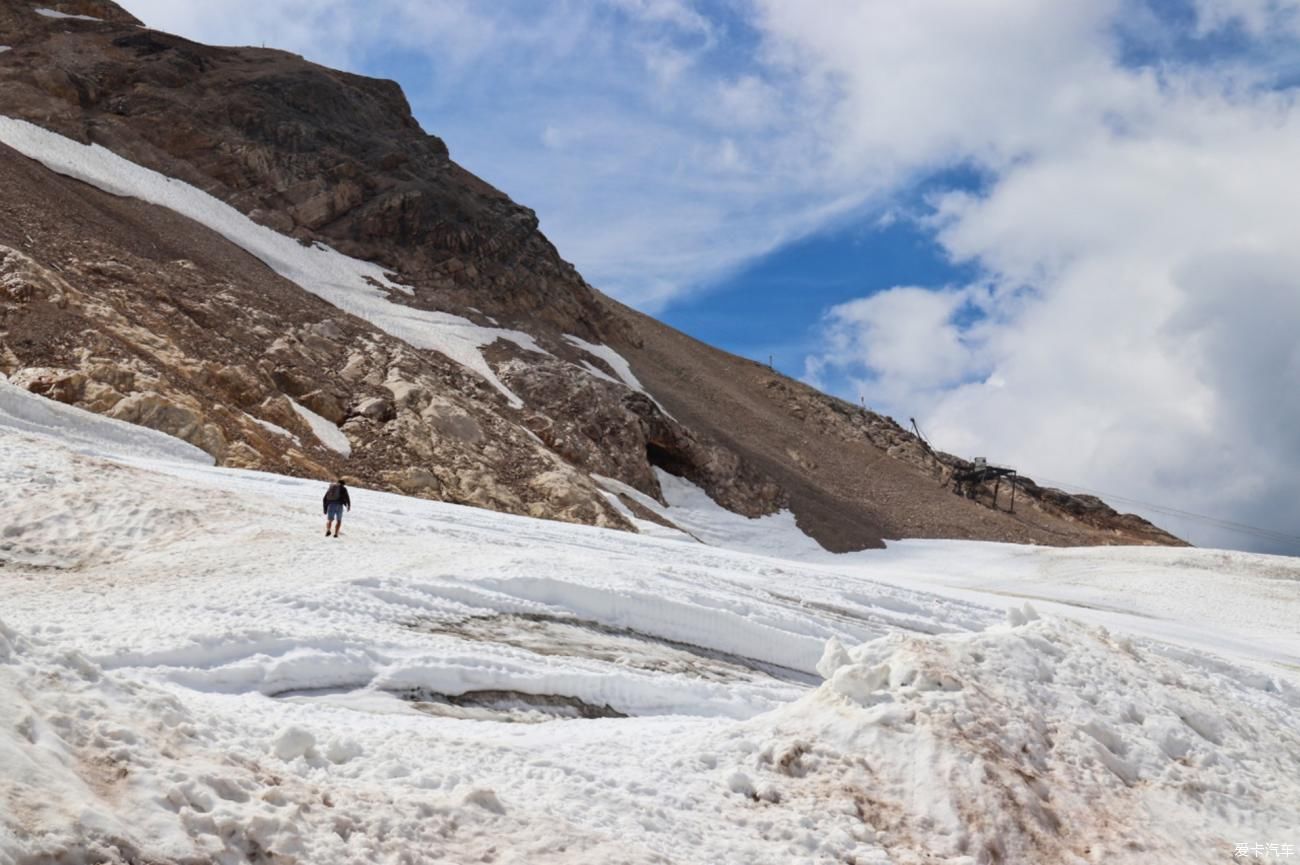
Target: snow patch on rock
(616, 362)
(325, 431)
(357, 287)
(274, 428)
(54, 13)
(690, 507)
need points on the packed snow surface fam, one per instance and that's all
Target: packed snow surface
(190, 671)
(357, 287)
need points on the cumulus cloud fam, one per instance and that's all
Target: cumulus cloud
(907, 337)
(1143, 300)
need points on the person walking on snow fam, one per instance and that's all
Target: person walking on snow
(336, 499)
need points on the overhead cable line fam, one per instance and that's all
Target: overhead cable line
(1217, 522)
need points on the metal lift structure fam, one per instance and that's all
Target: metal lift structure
(967, 481)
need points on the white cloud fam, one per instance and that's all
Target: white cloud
(1143, 305)
(1257, 17)
(903, 335)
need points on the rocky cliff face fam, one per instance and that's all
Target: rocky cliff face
(132, 310)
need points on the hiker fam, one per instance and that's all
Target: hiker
(336, 499)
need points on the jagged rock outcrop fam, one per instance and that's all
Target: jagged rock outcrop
(133, 311)
(608, 430)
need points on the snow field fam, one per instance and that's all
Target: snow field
(190, 671)
(1240, 606)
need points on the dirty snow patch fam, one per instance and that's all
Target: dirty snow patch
(1092, 741)
(324, 430)
(360, 288)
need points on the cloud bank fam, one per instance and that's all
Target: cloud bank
(1139, 301)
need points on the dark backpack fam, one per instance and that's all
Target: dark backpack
(334, 494)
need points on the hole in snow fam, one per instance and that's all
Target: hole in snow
(564, 636)
(500, 705)
(507, 706)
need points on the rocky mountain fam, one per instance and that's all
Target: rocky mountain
(319, 289)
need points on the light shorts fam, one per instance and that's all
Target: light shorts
(334, 511)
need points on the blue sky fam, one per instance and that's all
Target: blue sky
(773, 308)
(1062, 235)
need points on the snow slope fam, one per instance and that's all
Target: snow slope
(356, 287)
(23, 412)
(190, 670)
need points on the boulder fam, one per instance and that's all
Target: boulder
(377, 408)
(155, 411)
